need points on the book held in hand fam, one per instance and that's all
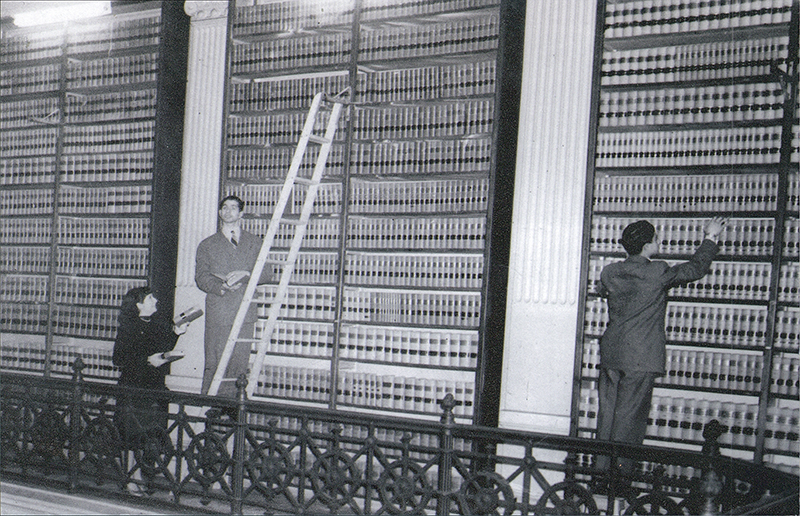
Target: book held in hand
(171, 356)
(241, 275)
(188, 315)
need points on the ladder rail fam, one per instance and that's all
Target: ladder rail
(277, 215)
(283, 286)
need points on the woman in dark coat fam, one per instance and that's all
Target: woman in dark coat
(143, 336)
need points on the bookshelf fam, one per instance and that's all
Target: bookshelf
(87, 121)
(388, 301)
(696, 117)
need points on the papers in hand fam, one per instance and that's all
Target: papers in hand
(171, 356)
(188, 316)
(233, 278)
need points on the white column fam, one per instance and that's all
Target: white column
(544, 268)
(202, 144)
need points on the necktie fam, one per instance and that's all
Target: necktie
(233, 239)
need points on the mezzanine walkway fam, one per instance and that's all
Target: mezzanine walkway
(20, 499)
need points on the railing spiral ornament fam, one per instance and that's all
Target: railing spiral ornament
(49, 434)
(207, 459)
(486, 492)
(403, 485)
(154, 452)
(100, 448)
(335, 477)
(270, 468)
(566, 498)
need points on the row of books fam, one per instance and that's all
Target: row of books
(301, 302)
(464, 118)
(311, 267)
(681, 148)
(284, 93)
(298, 338)
(742, 237)
(288, 16)
(104, 231)
(429, 308)
(698, 193)
(704, 369)
(84, 321)
(465, 79)
(270, 163)
(30, 357)
(105, 138)
(414, 270)
(694, 105)
(328, 50)
(409, 394)
(724, 281)
(93, 290)
(116, 199)
(322, 233)
(478, 33)
(103, 261)
(372, 10)
(728, 325)
(21, 259)
(30, 79)
(430, 196)
(444, 348)
(417, 232)
(28, 112)
(262, 199)
(107, 107)
(19, 288)
(26, 202)
(636, 18)
(369, 390)
(677, 418)
(24, 317)
(96, 36)
(425, 156)
(276, 128)
(674, 479)
(18, 230)
(112, 71)
(106, 168)
(29, 142)
(121, 34)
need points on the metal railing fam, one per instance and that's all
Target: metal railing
(240, 456)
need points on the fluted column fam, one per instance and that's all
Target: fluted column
(202, 144)
(544, 267)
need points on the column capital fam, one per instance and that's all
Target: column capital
(206, 9)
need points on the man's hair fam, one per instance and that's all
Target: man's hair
(232, 198)
(636, 235)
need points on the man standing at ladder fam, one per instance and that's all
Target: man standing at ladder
(223, 265)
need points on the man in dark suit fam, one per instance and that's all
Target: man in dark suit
(224, 262)
(633, 347)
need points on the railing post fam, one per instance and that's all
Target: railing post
(446, 462)
(711, 484)
(239, 443)
(75, 422)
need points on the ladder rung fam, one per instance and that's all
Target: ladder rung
(318, 139)
(274, 261)
(295, 222)
(304, 181)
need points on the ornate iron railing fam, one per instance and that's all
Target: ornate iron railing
(216, 455)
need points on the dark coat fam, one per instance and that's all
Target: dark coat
(636, 291)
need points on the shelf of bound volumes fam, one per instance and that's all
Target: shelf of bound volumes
(695, 120)
(77, 134)
(384, 309)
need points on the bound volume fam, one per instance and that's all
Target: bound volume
(188, 315)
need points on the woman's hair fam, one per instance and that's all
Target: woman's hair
(130, 299)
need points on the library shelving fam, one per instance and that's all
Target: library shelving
(696, 116)
(386, 306)
(88, 170)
